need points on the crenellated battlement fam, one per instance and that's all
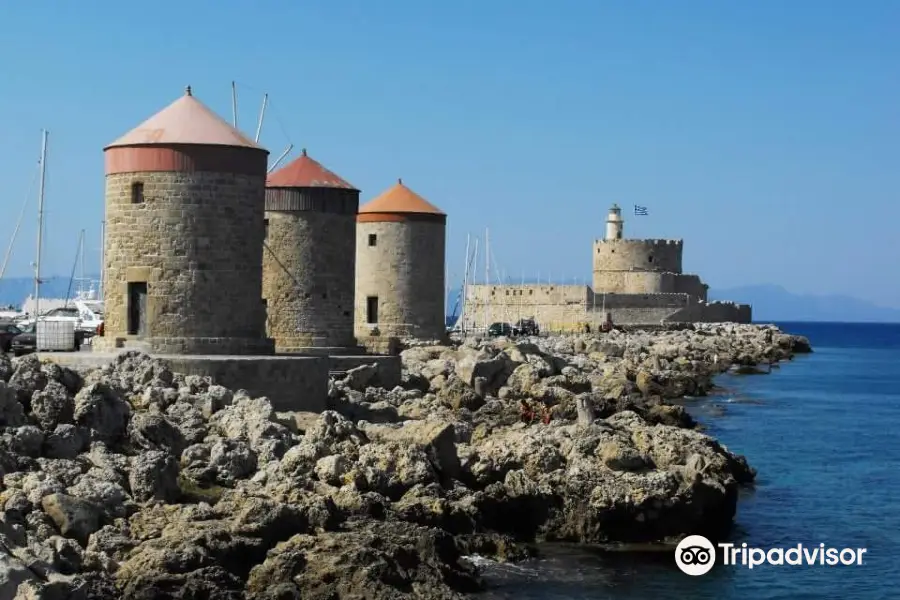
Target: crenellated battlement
(654, 255)
(653, 241)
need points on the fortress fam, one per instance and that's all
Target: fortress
(635, 282)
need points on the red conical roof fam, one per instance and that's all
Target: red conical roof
(185, 121)
(400, 199)
(306, 172)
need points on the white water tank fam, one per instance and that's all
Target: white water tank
(55, 335)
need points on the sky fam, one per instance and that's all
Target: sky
(765, 134)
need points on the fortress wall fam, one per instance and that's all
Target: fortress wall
(638, 309)
(714, 312)
(570, 307)
(690, 284)
(635, 282)
(642, 255)
(566, 307)
(554, 307)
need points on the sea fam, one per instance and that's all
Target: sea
(822, 431)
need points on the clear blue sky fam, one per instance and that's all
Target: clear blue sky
(766, 134)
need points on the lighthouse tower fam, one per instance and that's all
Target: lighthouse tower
(614, 223)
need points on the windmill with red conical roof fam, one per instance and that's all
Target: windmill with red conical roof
(309, 260)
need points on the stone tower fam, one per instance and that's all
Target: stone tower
(310, 256)
(614, 223)
(184, 235)
(400, 240)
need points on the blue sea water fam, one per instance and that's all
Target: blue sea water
(822, 431)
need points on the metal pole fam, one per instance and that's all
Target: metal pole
(475, 276)
(446, 276)
(233, 105)
(465, 290)
(81, 249)
(262, 114)
(487, 274)
(280, 158)
(40, 233)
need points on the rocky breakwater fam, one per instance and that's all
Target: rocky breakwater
(134, 482)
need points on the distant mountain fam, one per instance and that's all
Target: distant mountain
(774, 303)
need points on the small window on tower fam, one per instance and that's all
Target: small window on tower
(372, 310)
(650, 258)
(619, 235)
(373, 238)
(137, 192)
(267, 228)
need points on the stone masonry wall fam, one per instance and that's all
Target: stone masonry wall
(715, 312)
(691, 284)
(289, 382)
(554, 307)
(639, 309)
(309, 279)
(405, 270)
(635, 282)
(196, 240)
(663, 256)
(571, 307)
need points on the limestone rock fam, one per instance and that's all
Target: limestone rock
(75, 517)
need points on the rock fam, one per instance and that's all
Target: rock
(6, 368)
(438, 439)
(66, 441)
(151, 431)
(12, 413)
(358, 378)
(332, 469)
(13, 574)
(296, 421)
(27, 441)
(154, 476)
(376, 561)
(102, 411)
(27, 378)
(232, 460)
(170, 486)
(585, 411)
(53, 406)
(75, 517)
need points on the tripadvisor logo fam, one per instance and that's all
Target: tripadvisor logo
(696, 555)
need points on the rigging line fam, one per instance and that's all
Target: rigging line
(12, 241)
(74, 266)
(270, 108)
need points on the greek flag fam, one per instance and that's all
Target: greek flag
(640, 211)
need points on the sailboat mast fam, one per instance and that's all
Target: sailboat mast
(465, 289)
(487, 274)
(81, 250)
(475, 273)
(40, 232)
